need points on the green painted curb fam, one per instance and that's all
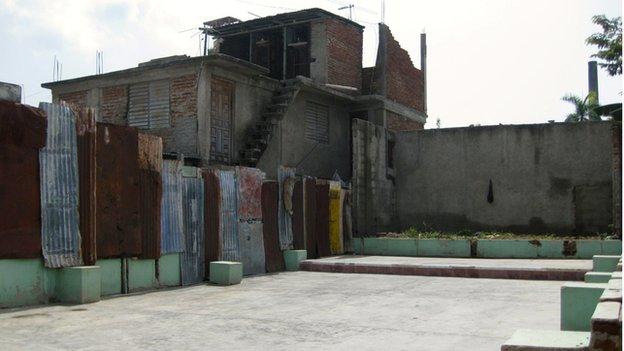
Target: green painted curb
(292, 259)
(604, 263)
(141, 275)
(226, 273)
(597, 277)
(169, 270)
(111, 276)
(79, 284)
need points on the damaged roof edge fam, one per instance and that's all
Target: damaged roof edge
(222, 60)
(394, 106)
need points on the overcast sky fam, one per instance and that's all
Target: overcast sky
(489, 61)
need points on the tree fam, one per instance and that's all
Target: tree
(584, 109)
(609, 43)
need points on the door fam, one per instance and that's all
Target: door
(222, 96)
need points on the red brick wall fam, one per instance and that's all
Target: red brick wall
(114, 104)
(344, 54)
(398, 123)
(76, 100)
(404, 82)
(183, 101)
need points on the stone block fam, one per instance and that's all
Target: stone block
(401, 247)
(292, 259)
(611, 247)
(141, 275)
(110, 276)
(597, 277)
(169, 270)
(606, 327)
(79, 284)
(578, 302)
(443, 248)
(226, 272)
(506, 249)
(545, 340)
(604, 263)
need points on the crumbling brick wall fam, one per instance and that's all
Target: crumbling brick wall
(404, 82)
(344, 54)
(114, 104)
(76, 99)
(398, 123)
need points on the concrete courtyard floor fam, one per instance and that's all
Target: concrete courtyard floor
(296, 311)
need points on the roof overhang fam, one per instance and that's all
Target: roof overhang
(380, 101)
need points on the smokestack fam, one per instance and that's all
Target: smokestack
(592, 76)
(423, 65)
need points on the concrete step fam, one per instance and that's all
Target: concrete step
(547, 340)
(605, 263)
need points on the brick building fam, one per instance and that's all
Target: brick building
(278, 90)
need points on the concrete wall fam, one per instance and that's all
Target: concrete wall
(545, 178)
(289, 146)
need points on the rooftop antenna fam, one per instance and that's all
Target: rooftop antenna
(57, 70)
(383, 11)
(99, 62)
(350, 7)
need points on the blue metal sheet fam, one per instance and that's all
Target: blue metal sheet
(284, 218)
(60, 236)
(192, 259)
(172, 239)
(228, 212)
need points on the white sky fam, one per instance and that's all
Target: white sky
(489, 61)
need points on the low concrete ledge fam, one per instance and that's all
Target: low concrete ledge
(606, 326)
(597, 277)
(226, 272)
(605, 263)
(578, 302)
(485, 248)
(446, 271)
(293, 259)
(547, 340)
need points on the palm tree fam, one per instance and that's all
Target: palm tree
(585, 109)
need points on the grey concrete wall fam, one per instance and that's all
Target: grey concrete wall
(10, 92)
(318, 52)
(289, 146)
(546, 178)
(374, 195)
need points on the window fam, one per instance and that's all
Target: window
(317, 123)
(149, 105)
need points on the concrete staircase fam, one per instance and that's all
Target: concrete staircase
(259, 135)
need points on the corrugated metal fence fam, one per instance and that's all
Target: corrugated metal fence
(60, 236)
(250, 237)
(171, 217)
(228, 213)
(192, 259)
(284, 218)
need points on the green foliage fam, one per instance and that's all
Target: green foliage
(414, 233)
(609, 43)
(584, 109)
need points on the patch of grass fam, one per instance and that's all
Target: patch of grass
(469, 234)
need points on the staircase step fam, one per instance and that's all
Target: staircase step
(281, 98)
(546, 340)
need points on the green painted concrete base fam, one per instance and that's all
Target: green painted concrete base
(141, 275)
(23, 282)
(524, 339)
(604, 263)
(169, 270)
(292, 259)
(597, 277)
(578, 302)
(111, 276)
(226, 273)
(484, 248)
(78, 284)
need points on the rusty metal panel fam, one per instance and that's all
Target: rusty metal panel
(285, 197)
(298, 227)
(274, 260)
(192, 258)
(212, 201)
(60, 235)
(86, 140)
(171, 211)
(322, 219)
(117, 188)
(250, 237)
(228, 217)
(347, 224)
(150, 187)
(22, 125)
(22, 133)
(310, 216)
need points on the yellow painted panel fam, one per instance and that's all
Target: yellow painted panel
(335, 218)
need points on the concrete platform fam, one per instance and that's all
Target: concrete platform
(548, 269)
(296, 311)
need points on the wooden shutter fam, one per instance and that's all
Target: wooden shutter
(317, 122)
(149, 105)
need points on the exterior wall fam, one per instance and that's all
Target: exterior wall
(398, 123)
(344, 54)
(616, 136)
(114, 104)
(546, 178)
(75, 99)
(318, 52)
(289, 146)
(374, 196)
